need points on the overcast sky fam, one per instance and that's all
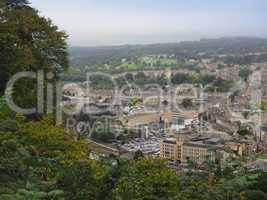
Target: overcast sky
(116, 22)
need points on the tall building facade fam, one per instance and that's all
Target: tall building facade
(178, 149)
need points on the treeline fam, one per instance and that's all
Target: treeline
(244, 59)
(96, 57)
(29, 42)
(211, 82)
(43, 162)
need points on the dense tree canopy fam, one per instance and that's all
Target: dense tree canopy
(41, 161)
(28, 42)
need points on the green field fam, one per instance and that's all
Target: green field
(150, 63)
(129, 66)
(162, 61)
(262, 156)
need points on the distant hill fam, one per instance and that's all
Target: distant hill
(108, 58)
(228, 45)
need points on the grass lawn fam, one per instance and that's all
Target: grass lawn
(262, 156)
(162, 61)
(151, 63)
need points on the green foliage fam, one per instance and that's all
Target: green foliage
(41, 161)
(26, 194)
(203, 79)
(244, 130)
(94, 58)
(245, 114)
(147, 179)
(161, 62)
(220, 85)
(260, 183)
(82, 180)
(8, 125)
(254, 195)
(15, 3)
(101, 82)
(138, 155)
(134, 101)
(28, 42)
(244, 73)
(261, 106)
(141, 79)
(102, 135)
(187, 103)
(5, 112)
(207, 79)
(179, 78)
(34, 153)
